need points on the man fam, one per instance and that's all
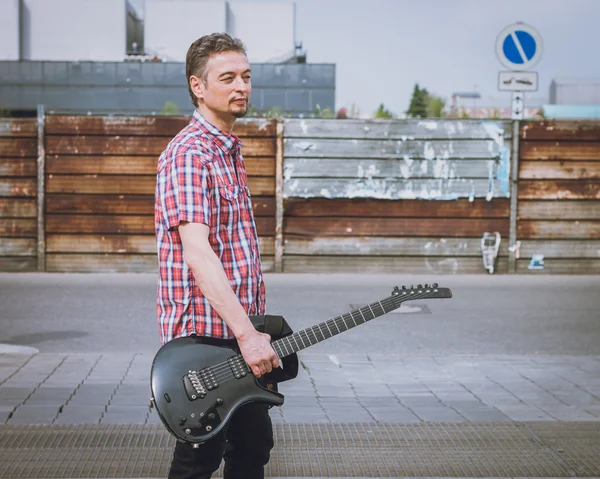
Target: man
(210, 277)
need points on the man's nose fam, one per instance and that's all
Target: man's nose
(241, 85)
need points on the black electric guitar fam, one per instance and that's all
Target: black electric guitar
(198, 382)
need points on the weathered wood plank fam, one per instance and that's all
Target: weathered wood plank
(132, 185)
(559, 209)
(108, 224)
(101, 263)
(387, 264)
(574, 229)
(561, 266)
(100, 224)
(101, 184)
(350, 227)
(565, 170)
(18, 208)
(111, 263)
(134, 145)
(389, 168)
(19, 264)
(559, 190)
(100, 204)
(556, 130)
(18, 187)
(23, 127)
(118, 244)
(380, 246)
(18, 167)
(560, 248)
(327, 148)
(356, 207)
(560, 150)
(18, 227)
(18, 147)
(111, 243)
(128, 204)
(18, 247)
(132, 165)
(393, 189)
(392, 129)
(143, 125)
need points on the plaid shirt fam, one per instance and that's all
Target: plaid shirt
(201, 178)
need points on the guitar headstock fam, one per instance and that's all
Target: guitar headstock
(427, 291)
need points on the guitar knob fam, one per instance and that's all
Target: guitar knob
(211, 417)
(182, 421)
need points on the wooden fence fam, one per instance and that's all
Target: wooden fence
(18, 192)
(101, 176)
(329, 195)
(447, 182)
(559, 196)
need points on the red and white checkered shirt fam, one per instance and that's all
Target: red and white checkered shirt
(201, 178)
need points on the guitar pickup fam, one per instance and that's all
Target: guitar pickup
(238, 366)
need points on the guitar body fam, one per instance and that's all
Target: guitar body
(183, 371)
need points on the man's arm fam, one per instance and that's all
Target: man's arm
(212, 281)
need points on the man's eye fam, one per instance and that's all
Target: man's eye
(247, 79)
(227, 79)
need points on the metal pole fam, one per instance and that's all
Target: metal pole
(41, 190)
(279, 198)
(514, 184)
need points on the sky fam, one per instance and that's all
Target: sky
(381, 48)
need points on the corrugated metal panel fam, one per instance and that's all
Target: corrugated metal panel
(9, 30)
(170, 26)
(83, 27)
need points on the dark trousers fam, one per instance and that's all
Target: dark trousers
(245, 443)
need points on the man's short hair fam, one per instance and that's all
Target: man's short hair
(202, 49)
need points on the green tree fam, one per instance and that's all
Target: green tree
(382, 113)
(435, 107)
(418, 103)
(170, 108)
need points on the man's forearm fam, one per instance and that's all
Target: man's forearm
(212, 281)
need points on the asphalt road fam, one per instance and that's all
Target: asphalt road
(487, 315)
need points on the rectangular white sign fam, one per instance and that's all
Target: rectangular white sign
(518, 81)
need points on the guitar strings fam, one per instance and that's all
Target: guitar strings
(222, 371)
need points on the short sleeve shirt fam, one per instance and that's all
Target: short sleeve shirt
(201, 178)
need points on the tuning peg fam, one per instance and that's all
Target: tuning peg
(426, 286)
(419, 286)
(404, 288)
(434, 285)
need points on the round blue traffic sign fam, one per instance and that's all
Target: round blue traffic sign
(519, 47)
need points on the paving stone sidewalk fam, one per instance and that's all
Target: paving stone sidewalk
(114, 389)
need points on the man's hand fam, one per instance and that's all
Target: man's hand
(257, 352)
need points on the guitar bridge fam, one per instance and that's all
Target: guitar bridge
(198, 383)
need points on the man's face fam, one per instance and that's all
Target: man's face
(227, 88)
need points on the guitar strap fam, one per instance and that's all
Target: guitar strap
(277, 327)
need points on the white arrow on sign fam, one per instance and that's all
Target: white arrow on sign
(518, 106)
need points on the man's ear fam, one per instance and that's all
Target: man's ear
(197, 86)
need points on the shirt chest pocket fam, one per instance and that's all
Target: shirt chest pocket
(229, 192)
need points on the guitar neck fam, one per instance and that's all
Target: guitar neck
(334, 326)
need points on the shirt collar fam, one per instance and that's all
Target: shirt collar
(224, 141)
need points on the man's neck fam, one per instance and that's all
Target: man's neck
(225, 125)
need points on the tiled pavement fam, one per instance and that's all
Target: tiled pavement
(114, 389)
